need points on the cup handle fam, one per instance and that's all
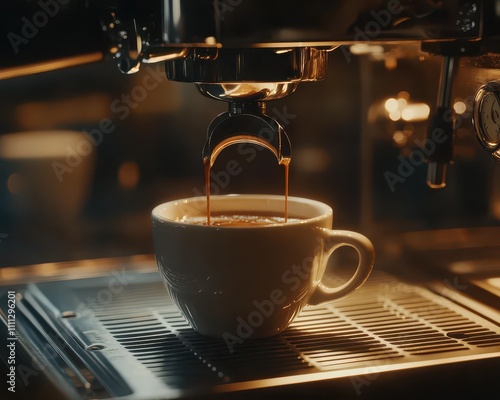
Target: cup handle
(333, 239)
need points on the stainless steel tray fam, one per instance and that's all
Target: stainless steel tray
(119, 335)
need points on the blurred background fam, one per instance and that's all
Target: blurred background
(93, 151)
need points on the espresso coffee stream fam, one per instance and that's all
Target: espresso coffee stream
(243, 220)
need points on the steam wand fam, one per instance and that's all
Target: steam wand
(440, 130)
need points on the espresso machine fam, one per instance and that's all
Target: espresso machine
(98, 324)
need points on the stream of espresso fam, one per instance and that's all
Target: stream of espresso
(208, 163)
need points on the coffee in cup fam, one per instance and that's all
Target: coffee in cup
(241, 218)
(249, 276)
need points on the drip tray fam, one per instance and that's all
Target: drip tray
(120, 335)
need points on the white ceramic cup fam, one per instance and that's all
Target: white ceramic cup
(236, 282)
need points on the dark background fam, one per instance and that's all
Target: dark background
(155, 146)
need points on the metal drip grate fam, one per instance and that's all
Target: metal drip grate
(130, 336)
(384, 323)
(160, 338)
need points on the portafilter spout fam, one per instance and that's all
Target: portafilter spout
(246, 78)
(246, 122)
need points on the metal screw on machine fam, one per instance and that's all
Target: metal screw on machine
(131, 43)
(125, 41)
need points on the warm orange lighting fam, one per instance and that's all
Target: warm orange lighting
(49, 269)
(36, 115)
(364, 48)
(402, 103)
(211, 40)
(416, 112)
(38, 144)
(14, 183)
(50, 65)
(390, 63)
(312, 159)
(460, 107)
(128, 174)
(391, 104)
(494, 282)
(404, 95)
(395, 115)
(400, 107)
(399, 138)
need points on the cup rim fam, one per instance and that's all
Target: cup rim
(326, 212)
